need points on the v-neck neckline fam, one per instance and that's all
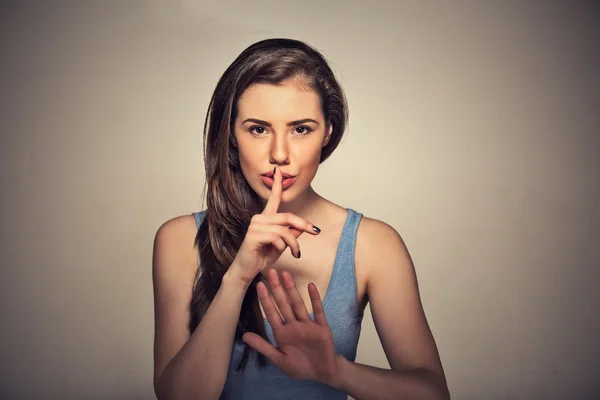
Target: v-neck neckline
(333, 269)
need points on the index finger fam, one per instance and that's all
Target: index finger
(275, 196)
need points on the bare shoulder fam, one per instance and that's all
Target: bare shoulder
(377, 235)
(174, 265)
(174, 244)
(376, 242)
(177, 228)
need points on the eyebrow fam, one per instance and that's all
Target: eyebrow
(291, 123)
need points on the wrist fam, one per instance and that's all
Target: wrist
(231, 280)
(335, 380)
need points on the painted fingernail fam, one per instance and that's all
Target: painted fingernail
(299, 253)
(316, 229)
(274, 168)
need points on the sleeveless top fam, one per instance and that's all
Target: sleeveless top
(341, 307)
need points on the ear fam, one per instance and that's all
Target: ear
(328, 136)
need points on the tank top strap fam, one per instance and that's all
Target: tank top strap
(343, 287)
(199, 217)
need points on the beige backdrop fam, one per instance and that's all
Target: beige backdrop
(474, 131)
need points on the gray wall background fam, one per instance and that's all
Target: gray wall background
(474, 131)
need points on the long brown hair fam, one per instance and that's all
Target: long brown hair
(230, 200)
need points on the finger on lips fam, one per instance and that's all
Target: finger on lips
(290, 219)
(296, 225)
(275, 196)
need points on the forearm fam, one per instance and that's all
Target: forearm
(199, 369)
(366, 382)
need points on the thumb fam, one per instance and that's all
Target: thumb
(262, 346)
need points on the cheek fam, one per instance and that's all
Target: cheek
(309, 159)
(248, 154)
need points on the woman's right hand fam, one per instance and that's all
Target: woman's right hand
(268, 235)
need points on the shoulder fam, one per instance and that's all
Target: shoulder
(176, 230)
(378, 235)
(174, 243)
(376, 242)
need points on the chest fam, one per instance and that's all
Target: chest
(316, 265)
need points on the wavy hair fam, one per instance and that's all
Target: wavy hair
(230, 200)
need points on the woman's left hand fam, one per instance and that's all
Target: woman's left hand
(305, 347)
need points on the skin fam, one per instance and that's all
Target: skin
(295, 149)
(385, 274)
(305, 347)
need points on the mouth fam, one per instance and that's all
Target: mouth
(285, 175)
(285, 183)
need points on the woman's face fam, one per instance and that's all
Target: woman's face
(280, 126)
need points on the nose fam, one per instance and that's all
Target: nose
(279, 152)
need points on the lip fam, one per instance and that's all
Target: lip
(269, 174)
(286, 183)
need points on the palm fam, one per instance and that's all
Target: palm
(305, 346)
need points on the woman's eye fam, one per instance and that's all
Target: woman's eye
(302, 130)
(259, 130)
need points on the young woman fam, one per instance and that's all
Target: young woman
(239, 317)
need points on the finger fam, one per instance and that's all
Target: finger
(271, 237)
(272, 300)
(293, 294)
(275, 196)
(296, 223)
(288, 237)
(275, 233)
(317, 305)
(280, 296)
(268, 305)
(262, 346)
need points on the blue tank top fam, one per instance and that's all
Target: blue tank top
(341, 306)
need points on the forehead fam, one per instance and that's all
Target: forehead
(289, 100)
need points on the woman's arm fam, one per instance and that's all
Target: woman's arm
(416, 370)
(189, 367)
(365, 382)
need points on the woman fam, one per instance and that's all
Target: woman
(239, 317)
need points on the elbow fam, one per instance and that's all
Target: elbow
(438, 386)
(159, 390)
(441, 393)
(165, 390)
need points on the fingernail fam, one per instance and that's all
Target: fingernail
(316, 229)
(299, 253)
(274, 168)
